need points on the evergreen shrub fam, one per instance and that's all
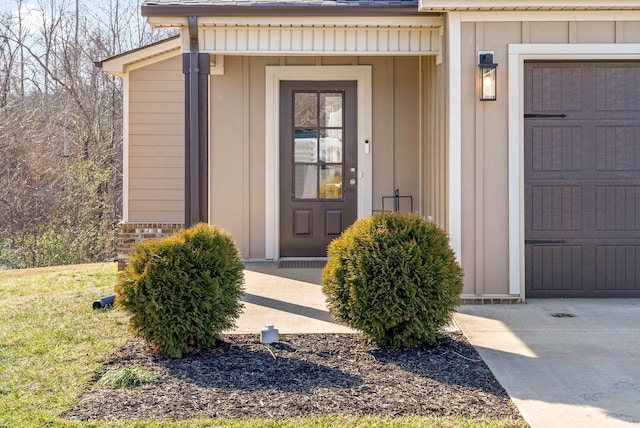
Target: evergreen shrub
(394, 277)
(183, 291)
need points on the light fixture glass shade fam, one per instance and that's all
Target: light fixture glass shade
(488, 84)
(488, 74)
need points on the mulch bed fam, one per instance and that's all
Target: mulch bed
(303, 375)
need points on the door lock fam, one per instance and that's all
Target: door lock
(353, 181)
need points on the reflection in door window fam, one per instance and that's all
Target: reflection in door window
(318, 144)
(331, 182)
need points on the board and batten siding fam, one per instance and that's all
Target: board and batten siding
(435, 201)
(156, 142)
(237, 155)
(484, 130)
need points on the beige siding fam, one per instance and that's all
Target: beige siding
(238, 140)
(595, 32)
(434, 153)
(227, 150)
(383, 112)
(156, 142)
(406, 126)
(630, 31)
(484, 128)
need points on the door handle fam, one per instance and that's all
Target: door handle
(353, 181)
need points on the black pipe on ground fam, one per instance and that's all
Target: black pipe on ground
(104, 303)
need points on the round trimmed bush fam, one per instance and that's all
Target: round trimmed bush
(394, 277)
(183, 291)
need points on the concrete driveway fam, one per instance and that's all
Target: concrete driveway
(566, 362)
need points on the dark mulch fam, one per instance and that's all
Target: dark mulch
(304, 375)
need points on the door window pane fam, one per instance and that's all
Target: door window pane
(331, 182)
(305, 109)
(331, 110)
(331, 145)
(306, 181)
(318, 144)
(305, 146)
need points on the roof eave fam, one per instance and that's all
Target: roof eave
(118, 64)
(208, 10)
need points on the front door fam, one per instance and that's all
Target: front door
(318, 164)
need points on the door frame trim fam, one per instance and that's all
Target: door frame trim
(518, 54)
(274, 74)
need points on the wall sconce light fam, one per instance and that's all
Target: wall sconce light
(487, 70)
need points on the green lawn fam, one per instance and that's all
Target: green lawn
(52, 344)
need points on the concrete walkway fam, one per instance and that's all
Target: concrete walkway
(568, 371)
(289, 299)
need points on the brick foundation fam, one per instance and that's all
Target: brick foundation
(131, 234)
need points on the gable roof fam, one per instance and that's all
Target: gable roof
(278, 7)
(118, 64)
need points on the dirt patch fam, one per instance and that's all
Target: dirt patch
(304, 375)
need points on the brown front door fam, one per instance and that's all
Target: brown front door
(582, 179)
(318, 164)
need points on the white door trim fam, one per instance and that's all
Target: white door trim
(274, 74)
(518, 54)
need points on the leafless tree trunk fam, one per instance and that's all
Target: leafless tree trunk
(61, 129)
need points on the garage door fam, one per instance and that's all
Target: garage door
(582, 179)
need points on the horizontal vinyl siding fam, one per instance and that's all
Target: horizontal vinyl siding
(156, 142)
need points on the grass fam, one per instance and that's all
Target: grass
(53, 345)
(127, 377)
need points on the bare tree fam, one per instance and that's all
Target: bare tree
(61, 129)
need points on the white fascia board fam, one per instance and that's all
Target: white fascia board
(168, 21)
(552, 15)
(121, 64)
(499, 5)
(325, 21)
(301, 21)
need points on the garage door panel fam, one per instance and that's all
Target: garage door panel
(617, 88)
(618, 208)
(617, 267)
(555, 89)
(555, 267)
(617, 148)
(582, 179)
(556, 208)
(556, 148)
